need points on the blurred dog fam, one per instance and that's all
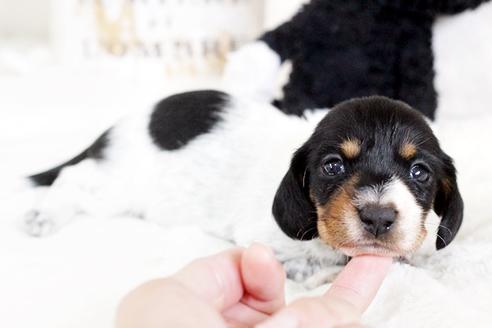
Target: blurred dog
(368, 180)
(342, 49)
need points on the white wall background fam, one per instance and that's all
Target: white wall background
(31, 18)
(25, 19)
(277, 11)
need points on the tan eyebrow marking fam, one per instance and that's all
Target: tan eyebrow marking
(408, 150)
(350, 148)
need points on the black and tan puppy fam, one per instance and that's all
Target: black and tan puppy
(370, 179)
(367, 179)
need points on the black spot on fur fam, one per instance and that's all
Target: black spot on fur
(96, 151)
(180, 118)
(341, 49)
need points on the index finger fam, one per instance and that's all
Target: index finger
(351, 293)
(359, 281)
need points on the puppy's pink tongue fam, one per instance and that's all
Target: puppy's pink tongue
(360, 280)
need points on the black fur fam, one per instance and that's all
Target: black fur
(383, 126)
(448, 204)
(180, 118)
(96, 151)
(292, 207)
(341, 49)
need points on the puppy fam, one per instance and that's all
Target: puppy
(366, 181)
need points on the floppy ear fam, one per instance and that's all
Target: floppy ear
(292, 207)
(448, 204)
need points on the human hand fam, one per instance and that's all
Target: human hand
(243, 288)
(345, 301)
(235, 288)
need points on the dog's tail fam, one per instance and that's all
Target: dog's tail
(96, 151)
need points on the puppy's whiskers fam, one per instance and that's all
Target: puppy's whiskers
(303, 231)
(438, 225)
(307, 231)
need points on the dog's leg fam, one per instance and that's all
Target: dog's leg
(310, 263)
(75, 191)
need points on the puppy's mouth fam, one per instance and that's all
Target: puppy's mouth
(370, 248)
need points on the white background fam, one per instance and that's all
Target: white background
(31, 18)
(25, 18)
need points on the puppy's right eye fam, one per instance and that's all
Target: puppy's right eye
(419, 173)
(333, 165)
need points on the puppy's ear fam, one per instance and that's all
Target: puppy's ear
(448, 204)
(292, 207)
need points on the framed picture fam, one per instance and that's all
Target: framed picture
(177, 37)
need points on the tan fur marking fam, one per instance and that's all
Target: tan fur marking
(447, 186)
(331, 224)
(334, 224)
(350, 148)
(408, 150)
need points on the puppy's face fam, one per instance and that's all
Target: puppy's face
(366, 180)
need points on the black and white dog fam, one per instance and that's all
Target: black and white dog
(369, 179)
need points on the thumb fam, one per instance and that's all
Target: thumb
(215, 279)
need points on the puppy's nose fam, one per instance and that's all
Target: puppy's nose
(377, 220)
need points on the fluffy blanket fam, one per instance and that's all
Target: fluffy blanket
(75, 278)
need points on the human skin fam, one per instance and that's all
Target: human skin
(245, 288)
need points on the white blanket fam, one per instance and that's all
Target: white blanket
(76, 277)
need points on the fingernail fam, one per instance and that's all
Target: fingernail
(281, 320)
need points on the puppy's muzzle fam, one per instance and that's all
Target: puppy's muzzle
(376, 219)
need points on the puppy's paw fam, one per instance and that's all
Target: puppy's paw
(299, 269)
(39, 224)
(310, 272)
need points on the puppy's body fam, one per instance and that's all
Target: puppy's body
(210, 159)
(223, 178)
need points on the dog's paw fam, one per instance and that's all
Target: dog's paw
(39, 224)
(299, 269)
(310, 272)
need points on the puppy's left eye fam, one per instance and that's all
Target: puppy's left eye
(333, 166)
(419, 173)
